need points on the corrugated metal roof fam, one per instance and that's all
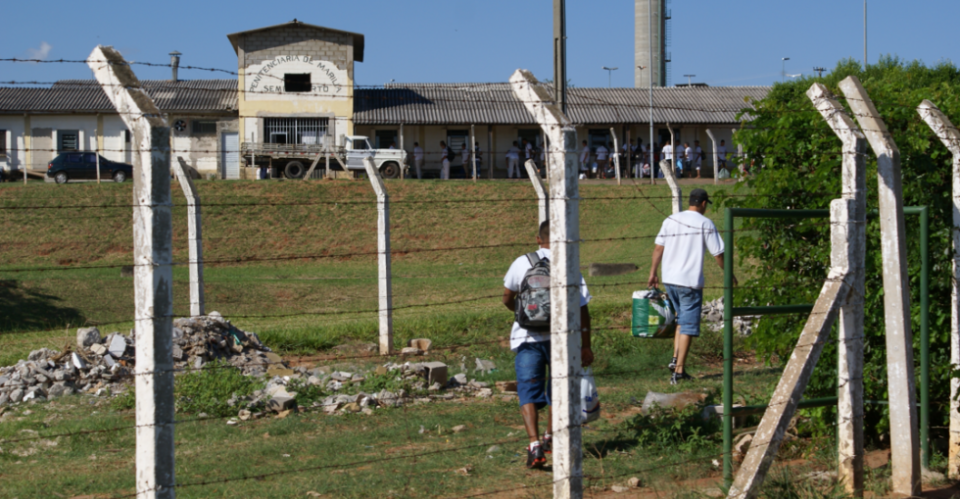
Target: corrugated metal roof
(495, 103)
(84, 96)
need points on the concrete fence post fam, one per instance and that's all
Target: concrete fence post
(901, 386)
(565, 362)
(796, 374)
(383, 257)
(615, 154)
(194, 237)
(153, 276)
(948, 134)
(542, 201)
(676, 203)
(850, 347)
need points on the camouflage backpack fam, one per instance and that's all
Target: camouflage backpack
(533, 300)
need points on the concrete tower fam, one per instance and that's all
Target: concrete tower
(642, 41)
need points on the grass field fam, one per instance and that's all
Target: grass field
(452, 242)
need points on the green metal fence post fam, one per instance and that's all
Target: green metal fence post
(924, 336)
(728, 347)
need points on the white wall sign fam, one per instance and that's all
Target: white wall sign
(265, 81)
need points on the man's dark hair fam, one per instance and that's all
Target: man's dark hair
(544, 232)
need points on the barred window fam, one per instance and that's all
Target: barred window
(204, 127)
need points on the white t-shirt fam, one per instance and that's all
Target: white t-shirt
(465, 153)
(722, 152)
(684, 236)
(418, 153)
(528, 150)
(601, 153)
(513, 153)
(667, 152)
(688, 153)
(512, 281)
(584, 155)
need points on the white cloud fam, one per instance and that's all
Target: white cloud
(40, 53)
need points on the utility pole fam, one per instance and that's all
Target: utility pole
(560, 54)
(864, 35)
(689, 79)
(610, 75)
(650, 45)
(819, 71)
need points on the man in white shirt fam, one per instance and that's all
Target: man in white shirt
(446, 155)
(684, 155)
(533, 350)
(602, 153)
(513, 160)
(418, 159)
(667, 154)
(697, 156)
(680, 246)
(477, 156)
(527, 150)
(585, 159)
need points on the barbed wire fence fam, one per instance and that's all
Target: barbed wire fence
(451, 204)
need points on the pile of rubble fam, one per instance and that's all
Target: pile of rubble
(712, 316)
(100, 364)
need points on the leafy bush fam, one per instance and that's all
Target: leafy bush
(125, 401)
(208, 389)
(683, 429)
(801, 162)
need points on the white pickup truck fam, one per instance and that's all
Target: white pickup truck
(388, 161)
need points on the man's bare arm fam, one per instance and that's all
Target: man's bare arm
(510, 299)
(719, 259)
(653, 281)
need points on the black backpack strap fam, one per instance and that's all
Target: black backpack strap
(533, 258)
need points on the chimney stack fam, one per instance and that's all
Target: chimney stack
(174, 64)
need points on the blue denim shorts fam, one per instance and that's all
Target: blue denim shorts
(687, 303)
(533, 383)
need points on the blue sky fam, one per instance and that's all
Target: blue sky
(734, 42)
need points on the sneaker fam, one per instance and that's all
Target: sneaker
(678, 377)
(546, 443)
(535, 457)
(672, 366)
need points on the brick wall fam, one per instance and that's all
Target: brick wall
(318, 44)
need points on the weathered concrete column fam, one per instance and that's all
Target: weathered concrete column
(676, 204)
(948, 134)
(383, 257)
(194, 237)
(901, 386)
(615, 154)
(565, 362)
(796, 375)
(153, 277)
(850, 348)
(542, 201)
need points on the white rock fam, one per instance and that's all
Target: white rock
(118, 346)
(87, 336)
(78, 361)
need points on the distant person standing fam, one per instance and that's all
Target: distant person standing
(465, 160)
(721, 156)
(418, 159)
(513, 160)
(680, 246)
(688, 158)
(667, 154)
(697, 156)
(477, 156)
(445, 156)
(602, 159)
(585, 159)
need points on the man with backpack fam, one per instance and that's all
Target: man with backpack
(680, 245)
(527, 295)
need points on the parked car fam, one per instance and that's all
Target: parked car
(83, 166)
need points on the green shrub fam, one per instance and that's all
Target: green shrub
(683, 429)
(208, 389)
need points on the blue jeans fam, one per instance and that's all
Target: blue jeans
(533, 383)
(687, 303)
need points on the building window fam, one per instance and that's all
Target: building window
(69, 140)
(126, 136)
(306, 131)
(3, 143)
(203, 127)
(296, 82)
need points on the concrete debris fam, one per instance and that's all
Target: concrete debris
(672, 400)
(411, 351)
(485, 393)
(712, 315)
(633, 482)
(459, 428)
(485, 366)
(102, 365)
(619, 488)
(420, 344)
(932, 477)
(822, 476)
(507, 386)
